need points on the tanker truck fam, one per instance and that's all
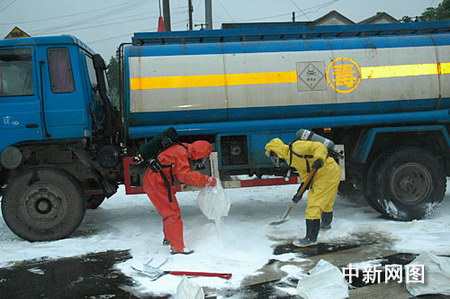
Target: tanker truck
(379, 92)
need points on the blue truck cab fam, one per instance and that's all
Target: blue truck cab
(46, 90)
(54, 115)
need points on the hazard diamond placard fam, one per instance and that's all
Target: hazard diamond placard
(16, 33)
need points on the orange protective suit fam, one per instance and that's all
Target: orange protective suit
(324, 186)
(178, 157)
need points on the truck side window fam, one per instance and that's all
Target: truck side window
(91, 71)
(60, 69)
(16, 72)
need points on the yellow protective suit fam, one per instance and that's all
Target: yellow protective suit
(324, 186)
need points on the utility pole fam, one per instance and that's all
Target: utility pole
(293, 17)
(191, 10)
(166, 14)
(208, 15)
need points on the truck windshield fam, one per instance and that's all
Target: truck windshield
(16, 72)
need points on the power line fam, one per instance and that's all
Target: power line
(109, 38)
(321, 6)
(309, 9)
(94, 26)
(8, 5)
(125, 19)
(70, 15)
(217, 16)
(90, 19)
(128, 34)
(295, 4)
(220, 2)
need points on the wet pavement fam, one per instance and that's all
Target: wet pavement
(88, 276)
(94, 275)
(358, 248)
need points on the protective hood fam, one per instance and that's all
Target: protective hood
(199, 149)
(278, 147)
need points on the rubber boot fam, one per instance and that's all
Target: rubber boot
(327, 217)
(312, 230)
(183, 251)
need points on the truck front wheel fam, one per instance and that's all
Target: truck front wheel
(43, 203)
(411, 183)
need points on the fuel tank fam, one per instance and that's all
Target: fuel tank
(284, 72)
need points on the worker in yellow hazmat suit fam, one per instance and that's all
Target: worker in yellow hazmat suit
(304, 155)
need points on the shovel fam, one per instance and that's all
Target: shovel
(154, 273)
(298, 195)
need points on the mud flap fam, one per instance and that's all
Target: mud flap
(107, 188)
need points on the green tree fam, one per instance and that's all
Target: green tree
(112, 75)
(441, 12)
(407, 19)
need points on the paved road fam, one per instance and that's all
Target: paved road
(94, 276)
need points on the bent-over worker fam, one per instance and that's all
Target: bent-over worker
(304, 155)
(175, 164)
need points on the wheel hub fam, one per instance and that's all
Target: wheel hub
(43, 205)
(411, 183)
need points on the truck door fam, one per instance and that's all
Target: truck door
(20, 110)
(65, 113)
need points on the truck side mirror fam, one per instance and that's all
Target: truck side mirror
(99, 63)
(100, 67)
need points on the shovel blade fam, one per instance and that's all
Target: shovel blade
(279, 222)
(284, 218)
(149, 271)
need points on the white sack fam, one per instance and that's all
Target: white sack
(436, 274)
(324, 281)
(189, 290)
(213, 202)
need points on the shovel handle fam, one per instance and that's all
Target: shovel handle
(221, 275)
(305, 185)
(299, 194)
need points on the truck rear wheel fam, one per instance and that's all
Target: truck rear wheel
(410, 184)
(371, 187)
(43, 203)
(346, 189)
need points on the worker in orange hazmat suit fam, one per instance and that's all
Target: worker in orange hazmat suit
(174, 162)
(302, 155)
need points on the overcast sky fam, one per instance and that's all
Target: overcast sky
(104, 24)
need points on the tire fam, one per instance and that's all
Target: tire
(43, 203)
(94, 201)
(371, 186)
(347, 190)
(411, 184)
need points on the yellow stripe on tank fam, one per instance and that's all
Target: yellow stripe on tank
(445, 67)
(212, 80)
(407, 70)
(376, 72)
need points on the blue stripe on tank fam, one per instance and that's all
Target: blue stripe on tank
(276, 112)
(289, 45)
(292, 124)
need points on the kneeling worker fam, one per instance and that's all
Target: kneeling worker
(304, 155)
